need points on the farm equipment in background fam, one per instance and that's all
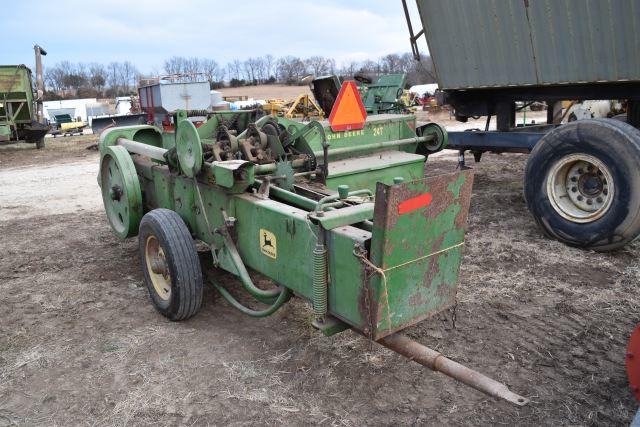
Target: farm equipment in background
(343, 219)
(303, 107)
(157, 99)
(21, 117)
(383, 96)
(98, 124)
(65, 125)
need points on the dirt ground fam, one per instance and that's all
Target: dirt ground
(81, 344)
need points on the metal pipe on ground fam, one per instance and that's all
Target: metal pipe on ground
(432, 359)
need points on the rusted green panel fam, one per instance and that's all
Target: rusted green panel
(417, 243)
(346, 274)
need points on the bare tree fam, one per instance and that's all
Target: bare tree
(319, 65)
(212, 71)
(249, 67)
(174, 65)
(349, 69)
(261, 70)
(97, 76)
(54, 76)
(391, 63)
(234, 70)
(121, 77)
(269, 65)
(128, 74)
(113, 76)
(291, 69)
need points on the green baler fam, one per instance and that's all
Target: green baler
(344, 220)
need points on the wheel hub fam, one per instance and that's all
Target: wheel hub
(580, 188)
(157, 267)
(116, 193)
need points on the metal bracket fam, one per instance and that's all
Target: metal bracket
(330, 326)
(413, 38)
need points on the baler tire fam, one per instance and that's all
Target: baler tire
(614, 148)
(181, 259)
(40, 143)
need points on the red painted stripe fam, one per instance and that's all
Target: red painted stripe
(414, 203)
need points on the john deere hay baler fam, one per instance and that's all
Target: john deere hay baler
(345, 220)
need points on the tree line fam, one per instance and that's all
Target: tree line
(67, 79)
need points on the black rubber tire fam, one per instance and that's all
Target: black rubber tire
(633, 113)
(182, 259)
(620, 117)
(40, 143)
(617, 145)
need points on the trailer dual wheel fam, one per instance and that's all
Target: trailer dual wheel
(582, 183)
(121, 192)
(171, 265)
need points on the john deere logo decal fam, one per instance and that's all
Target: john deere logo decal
(268, 244)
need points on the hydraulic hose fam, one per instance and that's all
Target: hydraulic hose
(264, 296)
(283, 297)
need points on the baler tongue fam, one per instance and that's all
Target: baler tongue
(430, 358)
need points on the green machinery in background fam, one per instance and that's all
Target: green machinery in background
(344, 220)
(385, 95)
(21, 118)
(379, 97)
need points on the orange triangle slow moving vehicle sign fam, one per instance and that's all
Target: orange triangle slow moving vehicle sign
(348, 111)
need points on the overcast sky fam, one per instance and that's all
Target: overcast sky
(149, 31)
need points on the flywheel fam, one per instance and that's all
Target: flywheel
(189, 148)
(121, 193)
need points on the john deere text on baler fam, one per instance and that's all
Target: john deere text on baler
(343, 219)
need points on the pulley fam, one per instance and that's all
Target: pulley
(189, 148)
(121, 193)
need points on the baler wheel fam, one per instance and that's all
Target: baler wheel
(121, 192)
(171, 265)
